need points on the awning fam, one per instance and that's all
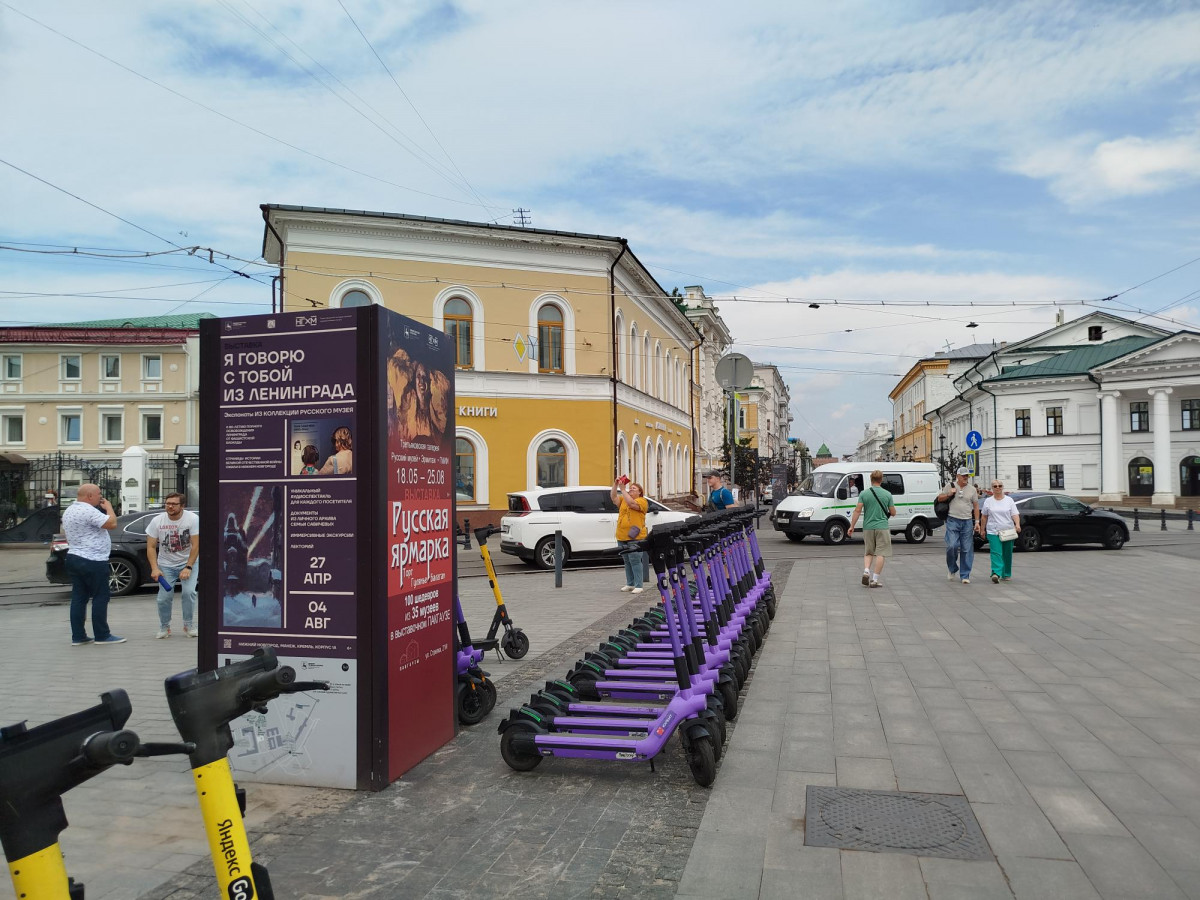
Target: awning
(15, 459)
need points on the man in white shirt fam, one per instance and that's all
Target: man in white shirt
(86, 524)
(172, 545)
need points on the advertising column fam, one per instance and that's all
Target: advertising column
(285, 421)
(419, 473)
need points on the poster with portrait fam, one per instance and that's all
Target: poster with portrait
(419, 471)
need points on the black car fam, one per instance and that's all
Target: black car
(128, 567)
(1053, 519)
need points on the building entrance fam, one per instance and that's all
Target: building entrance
(1189, 476)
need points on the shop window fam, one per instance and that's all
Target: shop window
(151, 368)
(551, 463)
(1056, 477)
(11, 370)
(1054, 420)
(464, 471)
(1139, 416)
(1024, 478)
(1190, 411)
(110, 367)
(550, 339)
(71, 368)
(1022, 423)
(458, 323)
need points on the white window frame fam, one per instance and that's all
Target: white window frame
(481, 467)
(478, 327)
(120, 366)
(143, 413)
(62, 367)
(20, 358)
(342, 288)
(146, 357)
(531, 457)
(63, 413)
(12, 413)
(104, 414)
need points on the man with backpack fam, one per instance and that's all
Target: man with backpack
(875, 505)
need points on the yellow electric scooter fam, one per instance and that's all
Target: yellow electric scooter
(202, 705)
(38, 766)
(514, 642)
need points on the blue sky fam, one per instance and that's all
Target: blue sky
(940, 153)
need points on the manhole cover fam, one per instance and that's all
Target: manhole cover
(893, 822)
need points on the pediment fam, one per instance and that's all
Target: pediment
(1182, 349)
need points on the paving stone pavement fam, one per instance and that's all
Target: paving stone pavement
(1065, 705)
(133, 827)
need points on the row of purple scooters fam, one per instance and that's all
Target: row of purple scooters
(678, 668)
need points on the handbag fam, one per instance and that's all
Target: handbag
(1008, 534)
(941, 509)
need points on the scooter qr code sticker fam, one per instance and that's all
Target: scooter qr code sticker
(625, 754)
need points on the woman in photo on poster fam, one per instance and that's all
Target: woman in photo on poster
(342, 460)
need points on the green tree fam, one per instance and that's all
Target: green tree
(949, 464)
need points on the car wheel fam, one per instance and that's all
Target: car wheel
(835, 532)
(1114, 537)
(543, 553)
(916, 532)
(1029, 539)
(795, 537)
(122, 577)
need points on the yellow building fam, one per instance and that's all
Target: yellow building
(574, 365)
(86, 391)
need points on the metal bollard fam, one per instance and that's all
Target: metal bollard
(558, 559)
(1136, 525)
(1191, 514)
(467, 533)
(1164, 521)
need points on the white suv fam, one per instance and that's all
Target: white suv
(585, 514)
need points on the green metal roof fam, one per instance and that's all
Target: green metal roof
(187, 320)
(1079, 361)
(823, 450)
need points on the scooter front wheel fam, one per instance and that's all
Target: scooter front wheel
(471, 702)
(515, 644)
(518, 760)
(701, 760)
(489, 694)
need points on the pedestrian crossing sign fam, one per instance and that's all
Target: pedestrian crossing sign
(971, 461)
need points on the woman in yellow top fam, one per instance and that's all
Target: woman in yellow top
(631, 528)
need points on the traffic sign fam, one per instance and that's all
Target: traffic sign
(971, 461)
(974, 440)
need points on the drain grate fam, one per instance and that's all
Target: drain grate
(893, 822)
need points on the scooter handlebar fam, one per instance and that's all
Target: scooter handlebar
(483, 532)
(108, 748)
(267, 685)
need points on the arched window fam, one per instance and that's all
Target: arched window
(464, 471)
(659, 387)
(550, 338)
(622, 456)
(619, 331)
(354, 292)
(635, 371)
(1141, 477)
(458, 323)
(638, 471)
(647, 370)
(669, 383)
(551, 463)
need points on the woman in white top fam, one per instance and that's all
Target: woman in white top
(999, 513)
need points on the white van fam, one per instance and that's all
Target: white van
(825, 500)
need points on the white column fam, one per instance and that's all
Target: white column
(1110, 447)
(1160, 425)
(133, 480)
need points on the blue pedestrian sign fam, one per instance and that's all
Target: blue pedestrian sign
(971, 461)
(974, 440)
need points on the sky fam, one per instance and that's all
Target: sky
(909, 168)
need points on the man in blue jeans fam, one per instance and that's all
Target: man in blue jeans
(86, 524)
(961, 525)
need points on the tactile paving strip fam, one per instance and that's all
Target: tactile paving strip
(893, 822)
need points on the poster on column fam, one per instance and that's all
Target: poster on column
(287, 491)
(419, 473)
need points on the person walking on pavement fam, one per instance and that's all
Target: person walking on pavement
(86, 524)
(719, 496)
(172, 545)
(961, 525)
(999, 515)
(631, 528)
(875, 505)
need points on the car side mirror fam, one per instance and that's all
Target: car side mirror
(1087, 511)
(843, 493)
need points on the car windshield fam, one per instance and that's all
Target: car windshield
(819, 484)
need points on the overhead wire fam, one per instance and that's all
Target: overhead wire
(232, 119)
